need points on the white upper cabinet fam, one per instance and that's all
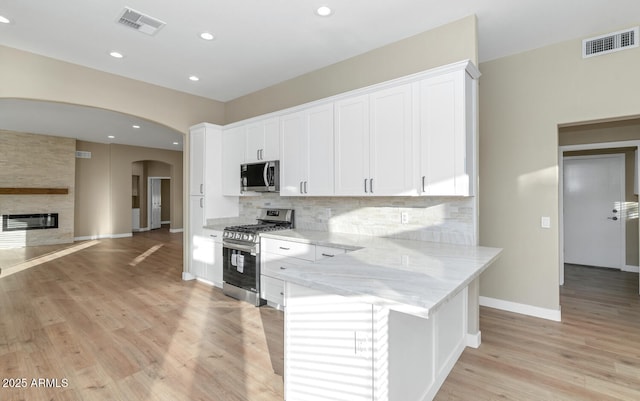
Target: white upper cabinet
(306, 162)
(373, 144)
(233, 145)
(263, 140)
(447, 134)
(196, 160)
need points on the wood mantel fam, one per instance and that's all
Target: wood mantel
(34, 191)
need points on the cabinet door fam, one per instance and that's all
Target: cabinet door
(319, 151)
(293, 154)
(328, 339)
(255, 141)
(215, 269)
(271, 144)
(233, 143)
(263, 140)
(443, 132)
(196, 161)
(199, 243)
(391, 142)
(351, 145)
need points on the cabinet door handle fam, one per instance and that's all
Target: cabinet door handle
(283, 268)
(201, 204)
(201, 188)
(365, 185)
(371, 185)
(213, 235)
(261, 154)
(423, 181)
(285, 249)
(328, 255)
(305, 187)
(301, 187)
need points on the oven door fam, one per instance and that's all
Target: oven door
(241, 266)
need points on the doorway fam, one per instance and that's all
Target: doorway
(158, 210)
(593, 210)
(624, 219)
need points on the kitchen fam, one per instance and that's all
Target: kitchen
(498, 198)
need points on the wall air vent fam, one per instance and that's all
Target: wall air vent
(609, 43)
(140, 22)
(83, 154)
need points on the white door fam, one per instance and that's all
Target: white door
(155, 193)
(593, 215)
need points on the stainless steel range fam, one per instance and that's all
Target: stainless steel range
(241, 251)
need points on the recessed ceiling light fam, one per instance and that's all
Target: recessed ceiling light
(207, 36)
(4, 20)
(194, 78)
(116, 55)
(136, 126)
(176, 143)
(324, 11)
(111, 137)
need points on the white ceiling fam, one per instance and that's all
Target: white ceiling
(260, 43)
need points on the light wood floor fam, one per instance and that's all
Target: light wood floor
(594, 354)
(118, 326)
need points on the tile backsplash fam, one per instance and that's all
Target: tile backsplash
(435, 219)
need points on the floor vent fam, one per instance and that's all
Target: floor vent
(140, 22)
(609, 43)
(83, 154)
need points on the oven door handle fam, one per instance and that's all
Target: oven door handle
(238, 247)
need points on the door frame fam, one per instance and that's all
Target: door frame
(149, 179)
(590, 146)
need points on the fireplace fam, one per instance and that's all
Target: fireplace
(22, 222)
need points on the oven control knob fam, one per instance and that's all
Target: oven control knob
(245, 237)
(238, 236)
(250, 237)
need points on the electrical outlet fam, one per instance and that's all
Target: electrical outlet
(404, 217)
(327, 213)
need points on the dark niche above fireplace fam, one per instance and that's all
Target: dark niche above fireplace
(22, 222)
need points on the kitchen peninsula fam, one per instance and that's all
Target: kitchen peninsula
(385, 321)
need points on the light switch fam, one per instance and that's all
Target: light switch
(545, 222)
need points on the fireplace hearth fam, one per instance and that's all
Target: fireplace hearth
(22, 222)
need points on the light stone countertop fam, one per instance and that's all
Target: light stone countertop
(413, 277)
(220, 223)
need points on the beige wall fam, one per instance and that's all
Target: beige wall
(104, 184)
(30, 76)
(444, 45)
(37, 161)
(523, 100)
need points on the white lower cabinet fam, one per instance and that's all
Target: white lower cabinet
(206, 256)
(279, 255)
(340, 348)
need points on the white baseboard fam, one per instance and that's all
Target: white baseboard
(102, 236)
(186, 276)
(524, 309)
(176, 230)
(631, 269)
(474, 340)
(166, 222)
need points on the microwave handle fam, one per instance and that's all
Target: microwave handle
(265, 174)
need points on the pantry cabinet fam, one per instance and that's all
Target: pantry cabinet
(306, 162)
(373, 144)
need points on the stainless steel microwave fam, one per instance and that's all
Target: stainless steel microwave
(260, 177)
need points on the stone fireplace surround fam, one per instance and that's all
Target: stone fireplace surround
(37, 161)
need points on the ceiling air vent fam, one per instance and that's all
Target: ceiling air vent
(609, 43)
(140, 22)
(83, 154)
